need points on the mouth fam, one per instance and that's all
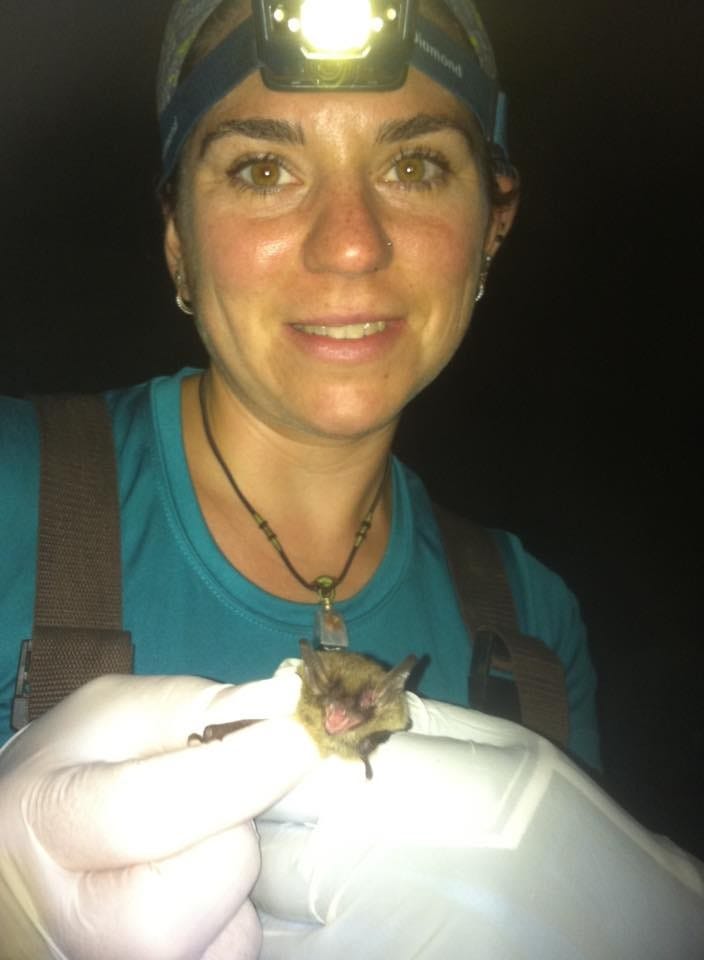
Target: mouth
(347, 331)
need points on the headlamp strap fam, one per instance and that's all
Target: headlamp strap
(225, 67)
(453, 67)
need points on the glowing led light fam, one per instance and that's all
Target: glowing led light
(279, 15)
(294, 24)
(377, 24)
(336, 26)
(391, 14)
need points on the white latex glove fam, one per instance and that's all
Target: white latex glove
(475, 840)
(119, 841)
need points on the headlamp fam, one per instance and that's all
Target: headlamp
(321, 45)
(334, 44)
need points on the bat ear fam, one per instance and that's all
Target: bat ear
(395, 680)
(313, 667)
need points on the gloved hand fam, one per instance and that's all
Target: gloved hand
(117, 840)
(475, 838)
(474, 833)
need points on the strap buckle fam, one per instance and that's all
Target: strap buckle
(20, 702)
(497, 695)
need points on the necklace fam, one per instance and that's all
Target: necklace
(329, 629)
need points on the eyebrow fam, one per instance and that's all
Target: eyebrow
(423, 123)
(256, 128)
(283, 131)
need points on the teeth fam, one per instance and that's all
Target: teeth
(351, 331)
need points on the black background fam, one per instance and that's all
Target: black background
(570, 414)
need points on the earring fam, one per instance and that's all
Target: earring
(183, 304)
(486, 263)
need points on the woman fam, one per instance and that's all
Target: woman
(331, 247)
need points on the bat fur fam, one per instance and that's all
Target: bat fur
(349, 704)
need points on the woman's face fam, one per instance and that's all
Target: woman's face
(331, 245)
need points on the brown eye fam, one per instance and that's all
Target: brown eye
(411, 169)
(265, 173)
(261, 173)
(418, 169)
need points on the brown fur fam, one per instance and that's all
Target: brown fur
(349, 704)
(365, 702)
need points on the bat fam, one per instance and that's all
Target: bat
(349, 704)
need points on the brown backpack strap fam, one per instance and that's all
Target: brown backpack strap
(489, 613)
(77, 632)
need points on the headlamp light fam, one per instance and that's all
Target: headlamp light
(333, 28)
(334, 44)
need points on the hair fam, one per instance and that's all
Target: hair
(229, 13)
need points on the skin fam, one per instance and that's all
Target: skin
(302, 210)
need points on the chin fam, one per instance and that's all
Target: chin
(331, 418)
(352, 429)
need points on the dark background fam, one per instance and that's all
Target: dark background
(571, 413)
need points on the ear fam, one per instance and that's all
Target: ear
(395, 680)
(501, 218)
(172, 247)
(313, 667)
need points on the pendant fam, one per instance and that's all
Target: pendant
(329, 631)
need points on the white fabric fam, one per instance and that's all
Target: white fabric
(474, 839)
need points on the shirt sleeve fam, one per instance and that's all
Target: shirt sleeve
(19, 489)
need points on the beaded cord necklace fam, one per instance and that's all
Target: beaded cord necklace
(330, 629)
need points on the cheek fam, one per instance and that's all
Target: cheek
(241, 255)
(444, 258)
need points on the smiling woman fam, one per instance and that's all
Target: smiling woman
(331, 240)
(338, 239)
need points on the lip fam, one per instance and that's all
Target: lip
(370, 336)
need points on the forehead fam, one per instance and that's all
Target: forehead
(329, 110)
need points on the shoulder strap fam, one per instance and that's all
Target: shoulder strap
(489, 613)
(77, 632)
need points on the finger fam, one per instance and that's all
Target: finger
(240, 940)
(176, 908)
(120, 717)
(99, 816)
(274, 697)
(437, 719)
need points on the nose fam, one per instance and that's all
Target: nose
(346, 235)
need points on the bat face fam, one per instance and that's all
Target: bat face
(349, 704)
(341, 714)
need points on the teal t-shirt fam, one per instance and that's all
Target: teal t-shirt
(190, 612)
